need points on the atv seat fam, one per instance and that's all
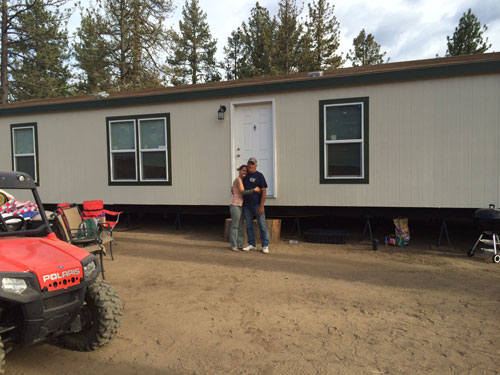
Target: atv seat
(4, 197)
(73, 229)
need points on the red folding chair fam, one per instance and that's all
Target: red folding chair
(95, 210)
(70, 227)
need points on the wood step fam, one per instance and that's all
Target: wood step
(273, 229)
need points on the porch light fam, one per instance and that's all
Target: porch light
(220, 112)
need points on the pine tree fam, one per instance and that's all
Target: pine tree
(468, 37)
(236, 56)
(287, 46)
(40, 69)
(92, 54)
(193, 57)
(11, 32)
(323, 28)
(137, 36)
(366, 50)
(307, 61)
(259, 37)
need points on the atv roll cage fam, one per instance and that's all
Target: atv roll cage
(22, 181)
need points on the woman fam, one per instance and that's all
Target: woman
(237, 234)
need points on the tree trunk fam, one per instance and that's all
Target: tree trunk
(123, 56)
(136, 45)
(4, 85)
(194, 66)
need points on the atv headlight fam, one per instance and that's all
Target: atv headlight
(13, 285)
(89, 269)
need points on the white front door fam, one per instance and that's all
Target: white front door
(254, 137)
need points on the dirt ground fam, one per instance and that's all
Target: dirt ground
(191, 306)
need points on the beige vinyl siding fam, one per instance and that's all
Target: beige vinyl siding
(5, 144)
(74, 160)
(432, 143)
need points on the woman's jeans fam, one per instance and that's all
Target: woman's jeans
(237, 232)
(250, 213)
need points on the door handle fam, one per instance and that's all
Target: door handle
(238, 155)
(238, 149)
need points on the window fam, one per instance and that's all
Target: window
(344, 140)
(139, 149)
(25, 149)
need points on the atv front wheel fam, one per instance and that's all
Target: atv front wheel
(2, 357)
(100, 318)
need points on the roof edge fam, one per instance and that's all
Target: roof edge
(351, 77)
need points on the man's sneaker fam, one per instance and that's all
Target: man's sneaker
(265, 249)
(249, 247)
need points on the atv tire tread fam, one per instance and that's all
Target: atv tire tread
(2, 357)
(106, 324)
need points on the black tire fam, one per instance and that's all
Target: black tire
(496, 258)
(2, 357)
(470, 253)
(100, 318)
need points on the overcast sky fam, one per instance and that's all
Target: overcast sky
(405, 29)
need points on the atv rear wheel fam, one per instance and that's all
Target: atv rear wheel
(100, 318)
(2, 357)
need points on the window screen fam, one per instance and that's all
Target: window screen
(139, 149)
(344, 140)
(24, 158)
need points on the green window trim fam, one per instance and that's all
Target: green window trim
(324, 143)
(17, 154)
(134, 151)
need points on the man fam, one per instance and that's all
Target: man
(253, 206)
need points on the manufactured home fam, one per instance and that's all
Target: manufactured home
(417, 134)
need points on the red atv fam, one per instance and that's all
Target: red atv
(48, 288)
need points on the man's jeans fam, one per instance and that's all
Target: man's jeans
(237, 234)
(251, 213)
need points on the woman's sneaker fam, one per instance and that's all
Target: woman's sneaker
(249, 247)
(265, 249)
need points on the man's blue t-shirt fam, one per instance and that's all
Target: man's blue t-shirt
(251, 181)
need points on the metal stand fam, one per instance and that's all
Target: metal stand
(177, 222)
(369, 228)
(495, 241)
(296, 223)
(444, 229)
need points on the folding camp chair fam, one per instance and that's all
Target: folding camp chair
(95, 210)
(73, 229)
